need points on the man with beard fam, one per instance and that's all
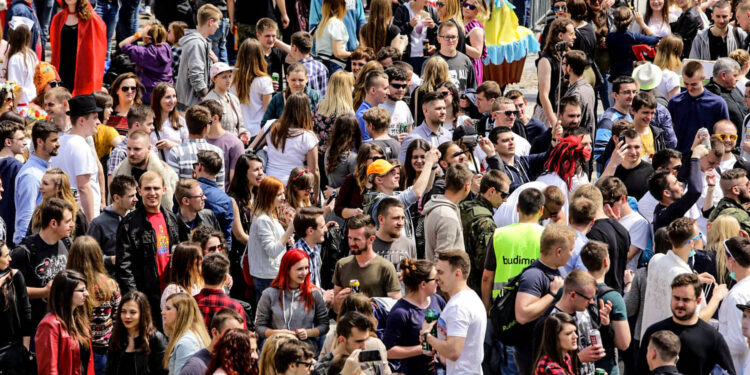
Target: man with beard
(702, 346)
(389, 243)
(377, 277)
(734, 184)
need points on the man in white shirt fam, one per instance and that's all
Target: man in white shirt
(402, 121)
(77, 159)
(738, 264)
(463, 321)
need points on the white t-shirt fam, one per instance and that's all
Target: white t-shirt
(640, 235)
(22, 72)
(507, 214)
(669, 80)
(418, 34)
(76, 158)
(168, 132)
(717, 195)
(728, 164)
(523, 147)
(253, 112)
(464, 316)
(280, 164)
(401, 117)
(335, 30)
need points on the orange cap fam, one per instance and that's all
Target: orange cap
(379, 167)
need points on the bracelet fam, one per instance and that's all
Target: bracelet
(137, 35)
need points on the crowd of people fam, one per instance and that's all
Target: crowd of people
(166, 186)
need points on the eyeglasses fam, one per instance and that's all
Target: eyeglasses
(559, 8)
(726, 137)
(699, 236)
(470, 6)
(309, 188)
(399, 86)
(583, 295)
(440, 5)
(214, 248)
(628, 92)
(308, 364)
(449, 37)
(128, 88)
(373, 158)
(201, 196)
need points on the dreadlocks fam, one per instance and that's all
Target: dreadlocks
(565, 158)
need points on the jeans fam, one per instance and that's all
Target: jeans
(108, 13)
(44, 11)
(498, 358)
(605, 92)
(219, 40)
(100, 363)
(127, 22)
(260, 286)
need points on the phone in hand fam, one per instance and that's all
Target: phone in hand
(369, 356)
(332, 197)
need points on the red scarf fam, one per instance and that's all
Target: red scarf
(92, 50)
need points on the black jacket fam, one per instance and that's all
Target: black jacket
(136, 255)
(401, 19)
(687, 26)
(145, 363)
(734, 98)
(204, 217)
(665, 370)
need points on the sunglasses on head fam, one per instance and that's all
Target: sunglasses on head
(470, 6)
(128, 88)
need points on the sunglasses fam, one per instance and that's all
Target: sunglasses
(399, 86)
(470, 6)
(726, 137)
(128, 88)
(373, 158)
(53, 84)
(309, 188)
(504, 194)
(308, 364)
(214, 248)
(508, 113)
(560, 8)
(699, 236)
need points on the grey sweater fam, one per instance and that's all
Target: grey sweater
(635, 297)
(291, 314)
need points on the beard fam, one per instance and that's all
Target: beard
(355, 251)
(685, 314)
(744, 197)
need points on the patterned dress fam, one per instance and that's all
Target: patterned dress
(478, 68)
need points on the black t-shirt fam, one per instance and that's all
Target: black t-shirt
(635, 178)
(250, 12)
(617, 239)
(702, 348)
(275, 62)
(717, 46)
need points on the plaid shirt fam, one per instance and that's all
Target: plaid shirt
(314, 255)
(210, 301)
(118, 154)
(318, 74)
(182, 157)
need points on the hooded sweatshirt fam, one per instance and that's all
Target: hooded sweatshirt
(153, 63)
(442, 226)
(193, 74)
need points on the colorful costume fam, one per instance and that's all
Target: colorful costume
(507, 44)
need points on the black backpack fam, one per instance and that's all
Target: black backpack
(503, 312)
(608, 333)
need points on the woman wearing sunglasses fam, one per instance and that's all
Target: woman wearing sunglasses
(299, 189)
(125, 92)
(473, 12)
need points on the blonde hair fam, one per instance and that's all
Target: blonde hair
(208, 12)
(250, 65)
(85, 256)
(722, 228)
(484, 12)
(64, 192)
(189, 319)
(669, 52)
(267, 355)
(741, 56)
(338, 99)
(453, 11)
(330, 9)
(359, 83)
(436, 71)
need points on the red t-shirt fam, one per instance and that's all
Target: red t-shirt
(162, 246)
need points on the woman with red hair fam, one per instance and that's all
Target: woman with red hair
(293, 304)
(235, 354)
(78, 28)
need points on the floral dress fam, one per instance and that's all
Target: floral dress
(478, 67)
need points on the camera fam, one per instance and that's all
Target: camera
(562, 46)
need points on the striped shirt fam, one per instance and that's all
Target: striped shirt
(314, 254)
(182, 157)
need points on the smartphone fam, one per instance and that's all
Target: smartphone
(369, 356)
(332, 197)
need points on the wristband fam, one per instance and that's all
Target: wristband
(137, 35)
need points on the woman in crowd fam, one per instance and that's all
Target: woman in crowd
(22, 61)
(15, 311)
(78, 28)
(414, 162)
(106, 137)
(656, 20)
(169, 125)
(175, 31)
(598, 16)
(268, 354)
(453, 116)
(292, 304)
(7, 97)
(337, 102)
(267, 239)
(404, 322)
(235, 353)
(341, 154)
(668, 58)
(136, 346)
(585, 38)
(85, 257)
(184, 271)
(352, 192)
(358, 94)
(473, 12)
(743, 58)
(379, 31)
(436, 71)
(125, 92)
(559, 340)
(414, 19)
(231, 119)
(296, 79)
(331, 36)
(209, 239)
(548, 70)
(449, 11)
(153, 61)
(300, 185)
(63, 337)
(187, 332)
(252, 84)
(714, 258)
(55, 184)
(291, 141)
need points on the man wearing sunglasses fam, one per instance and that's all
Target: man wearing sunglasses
(736, 189)
(735, 306)
(401, 120)
(726, 132)
(723, 83)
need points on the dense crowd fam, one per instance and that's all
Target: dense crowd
(344, 187)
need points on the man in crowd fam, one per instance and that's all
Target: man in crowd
(140, 159)
(266, 31)
(736, 189)
(377, 276)
(695, 107)
(653, 138)
(12, 143)
(211, 299)
(442, 224)
(300, 47)
(627, 165)
(221, 322)
(352, 330)
(104, 227)
(77, 159)
(487, 93)
(56, 105)
(389, 241)
(724, 84)
(191, 83)
(460, 66)
(616, 207)
(569, 116)
(401, 120)
(624, 89)
(574, 63)
(431, 130)
(377, 120)
(702, 346)
(462, 321)
(311, 228)
(582, 214)
(665, 160)
(231, 146)
(193, 212)
(477, 224)
(726, 131)
(720, 39)
(533, 126)
(730, 318)
(209, 164)
(181, 158)
(376, 92)
(662, 353)
(649, 76)
(516, 241)
(139, 117)
(145, 238)
(46, 139)
(505, 114)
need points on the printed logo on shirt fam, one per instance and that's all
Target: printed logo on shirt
(518, 260)
(50, 267)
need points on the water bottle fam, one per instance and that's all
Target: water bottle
(429, 317)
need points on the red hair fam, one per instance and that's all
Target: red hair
(281, 281)
(566, 157)
(265, 202)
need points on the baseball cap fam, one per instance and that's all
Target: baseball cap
(219, 68)
(379, 167)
